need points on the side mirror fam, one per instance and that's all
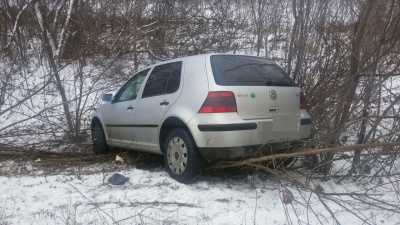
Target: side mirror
(107, 97)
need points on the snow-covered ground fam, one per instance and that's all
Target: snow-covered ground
(152, 197)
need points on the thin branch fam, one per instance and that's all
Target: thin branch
(306, 152)
(93, 203)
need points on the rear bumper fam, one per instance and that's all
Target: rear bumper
(236, 138)
(229, 152)
(247, 151)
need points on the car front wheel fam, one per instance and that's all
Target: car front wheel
(182, 159)
(99, 141)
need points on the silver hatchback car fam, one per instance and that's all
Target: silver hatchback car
(204, 107)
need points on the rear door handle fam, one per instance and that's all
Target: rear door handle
(164, 103)
(130, 107)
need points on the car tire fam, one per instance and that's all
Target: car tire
(99, 141)
(182, 159)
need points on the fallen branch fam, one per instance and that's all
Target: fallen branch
(303, 153)
(362, 197)
(180, 204)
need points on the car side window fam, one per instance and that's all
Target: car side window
(131, 88)
(164, 79)
(174, 78)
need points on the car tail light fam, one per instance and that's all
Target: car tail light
(303, 102)
(219, 102)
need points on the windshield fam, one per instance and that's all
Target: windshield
(237, 70)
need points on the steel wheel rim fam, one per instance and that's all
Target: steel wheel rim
(177, 155)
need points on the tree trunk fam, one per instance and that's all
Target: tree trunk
(304, 13)
(135, 53)
(363, 127)
(78, 115)
(3, 30)
(293, 39)
(49, 47)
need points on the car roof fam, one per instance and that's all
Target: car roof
(196, 56)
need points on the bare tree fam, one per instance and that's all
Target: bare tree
(53, 40)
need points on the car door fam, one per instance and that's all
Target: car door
(160, 92)
(119, 113)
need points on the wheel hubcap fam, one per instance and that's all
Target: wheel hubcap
(177, 155)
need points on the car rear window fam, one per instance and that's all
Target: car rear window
(236, 70)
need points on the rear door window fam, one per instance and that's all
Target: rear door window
(236, 70)
(164, 79)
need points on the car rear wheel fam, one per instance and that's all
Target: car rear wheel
(182, 159)
(99, 141)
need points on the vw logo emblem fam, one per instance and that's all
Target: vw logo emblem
(272, 94)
